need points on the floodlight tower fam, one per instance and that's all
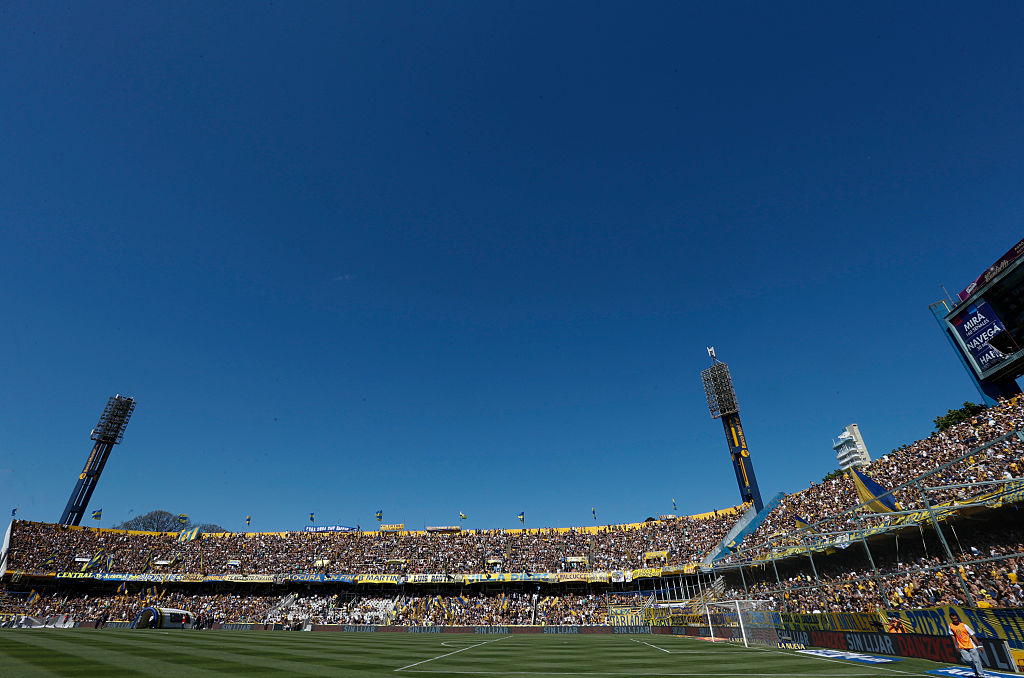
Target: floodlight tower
(108, 432)
(722, 405)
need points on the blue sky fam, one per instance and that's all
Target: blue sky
(442, 257)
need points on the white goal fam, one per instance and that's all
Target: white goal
(755, 622)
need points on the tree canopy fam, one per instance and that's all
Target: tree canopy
(165, 521)
(838, 473)
(953, 417)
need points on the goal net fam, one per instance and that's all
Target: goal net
(755, 622)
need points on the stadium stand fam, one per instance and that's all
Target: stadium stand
(44, 546)
(574, 576)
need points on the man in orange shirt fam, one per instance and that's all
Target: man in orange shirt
(964, 637)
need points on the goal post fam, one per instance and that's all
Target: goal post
(755, 622)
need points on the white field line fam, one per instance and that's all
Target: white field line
(442, 656)
(649, 645)
(669, 651)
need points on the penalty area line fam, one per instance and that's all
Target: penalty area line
(448, 654)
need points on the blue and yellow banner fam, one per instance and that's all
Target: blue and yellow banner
(871, 493)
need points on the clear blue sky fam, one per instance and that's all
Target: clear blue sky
(467, 256)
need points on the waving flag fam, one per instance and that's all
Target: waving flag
(462, 516)
(379, 515)
(14, 511)
(183, 518)
(593, 511)
(800, 522)
(674, 507)
(94, 561)
(188, 535)
(248, 520)
(871, 494)
(97, 514)
(312, 518)
(522, 517)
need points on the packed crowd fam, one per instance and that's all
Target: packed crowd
(119, 607)
(821, 502)
(461, 610)
(989, 569)
(43, 546)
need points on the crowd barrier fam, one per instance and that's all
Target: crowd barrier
(1001, 624)
(995, 653)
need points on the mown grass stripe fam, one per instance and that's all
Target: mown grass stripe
(248, 661)
(44, 650)
(14, 665)
(82, 653)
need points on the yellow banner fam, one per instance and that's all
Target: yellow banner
(393, 527)
(510, 576)
(655, 554)
(647, 572)
(258, 578)
(380, 579)
(574, 576)
(1005, 624)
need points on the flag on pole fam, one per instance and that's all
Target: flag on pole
(97, 514)
(800, 522)
(871, 494)
(674, 507)
(312, 518)
(248, 520)
(14, 511)
(183, 518)
(522, 517)
(94, 561)
(593, 511)
(379, 515)
(32, 598)
(188, 535)
(462, 516)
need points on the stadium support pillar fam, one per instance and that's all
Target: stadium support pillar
(945, 544)
(778, 580)
(874, 568)
(814, 569)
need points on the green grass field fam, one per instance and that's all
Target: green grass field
(179, 654)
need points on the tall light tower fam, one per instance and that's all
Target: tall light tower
(108, 432)
(722, 405)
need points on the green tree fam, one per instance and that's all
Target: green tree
(838, 473)
(953, 417)
(164, 521)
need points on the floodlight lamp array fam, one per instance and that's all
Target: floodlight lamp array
(110, 428)
(719, 391)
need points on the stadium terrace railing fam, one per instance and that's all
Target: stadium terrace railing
(929, 513)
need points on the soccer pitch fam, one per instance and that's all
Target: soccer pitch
(177, 654)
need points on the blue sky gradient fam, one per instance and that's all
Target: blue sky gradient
(431, 258)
